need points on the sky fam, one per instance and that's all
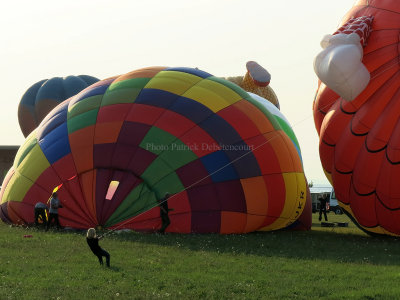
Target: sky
(46, 38)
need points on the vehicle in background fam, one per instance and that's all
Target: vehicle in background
(316, 192)
(319, 191)
(334, 204)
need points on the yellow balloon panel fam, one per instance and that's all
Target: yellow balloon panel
(295, 200)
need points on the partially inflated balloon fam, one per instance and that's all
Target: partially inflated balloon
(118, 146)
(360, 139)
(46, 94)
(304, 221)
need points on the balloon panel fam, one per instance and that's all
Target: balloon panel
(45, 95)
(357, 137)
(231, 162)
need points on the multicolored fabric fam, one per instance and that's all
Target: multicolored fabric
(124, 142)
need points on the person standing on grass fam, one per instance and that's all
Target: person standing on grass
(93, 241)
(322, 206)
(53, 211)
(163, 204)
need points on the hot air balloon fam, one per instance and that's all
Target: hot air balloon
(46, 94)
(358, 122)
(256, 81)
(304, 221)
(117, 147)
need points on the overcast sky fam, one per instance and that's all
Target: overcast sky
(42, 39)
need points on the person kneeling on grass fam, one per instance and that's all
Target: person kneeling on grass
(41, 214)
(93, 241)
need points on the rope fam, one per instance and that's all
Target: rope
(200, 180)
(240, 157)
(226, 165)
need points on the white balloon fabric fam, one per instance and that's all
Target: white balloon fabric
(340, 65)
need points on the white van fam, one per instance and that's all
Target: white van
(334, 204)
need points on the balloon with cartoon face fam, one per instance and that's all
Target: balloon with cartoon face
(360, 135)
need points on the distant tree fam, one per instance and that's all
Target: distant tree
(310, 184)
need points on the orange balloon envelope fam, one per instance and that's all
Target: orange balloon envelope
(360, 138)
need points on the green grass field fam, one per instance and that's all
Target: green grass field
(324, 263)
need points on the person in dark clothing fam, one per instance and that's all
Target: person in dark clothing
(322, 206)
(93, 241)
(163, 204)
(53, 211)
(40, 214)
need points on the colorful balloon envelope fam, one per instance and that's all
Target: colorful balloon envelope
(46, 94)
(360, 139)
(230, 164)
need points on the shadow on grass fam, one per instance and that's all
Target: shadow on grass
(325, 244)
(114, 269)
(314, 244)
